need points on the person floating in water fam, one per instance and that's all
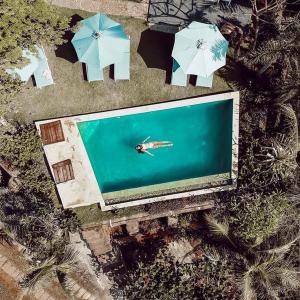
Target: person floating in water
(143, 147)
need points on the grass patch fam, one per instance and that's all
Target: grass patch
(71, 94)
(93, 214)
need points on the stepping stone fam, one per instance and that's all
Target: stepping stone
(75, 288)
(3, 259)
(81, 292)
(9, 269)
(86, 296)
(39, 294)
(132, 227)
(172, 221)
(98, 239)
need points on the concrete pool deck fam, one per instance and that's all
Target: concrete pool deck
(83, 190)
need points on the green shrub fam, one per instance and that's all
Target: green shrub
(161, 279)
(215, 275)
(209, 278)
(24, 150)
(254, 217)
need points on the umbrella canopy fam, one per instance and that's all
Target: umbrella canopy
(100, 41)
(200, 49)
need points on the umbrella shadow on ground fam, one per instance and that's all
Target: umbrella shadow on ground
(111, 72)
(84, 72)
(192, 79)
(155, 48)
(66, 50)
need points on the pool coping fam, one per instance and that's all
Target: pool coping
(84, 189)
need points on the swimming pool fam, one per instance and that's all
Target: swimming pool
(108, 170)
(201, 135)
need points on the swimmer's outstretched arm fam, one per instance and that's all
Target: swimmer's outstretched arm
(146, 139)
(149, 153)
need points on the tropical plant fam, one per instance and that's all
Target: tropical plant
(23, 24)
(22, 147)
(55, 266)
(253, 217)
(277, 154)
(266, 12)
(276, 60)
(264, 272)
(237, 36)
(215, 275)
(161, 279)
(35, 223)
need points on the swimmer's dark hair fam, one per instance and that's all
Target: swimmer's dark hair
(138, 148)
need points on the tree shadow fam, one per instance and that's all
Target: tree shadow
(156, 48)
(219, 49)
(66, 50)
(231, 20)
(236, 74)
(175, 12)
(182, 12)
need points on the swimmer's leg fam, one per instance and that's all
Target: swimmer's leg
(163, 144)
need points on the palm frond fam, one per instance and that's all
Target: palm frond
(51, 267)
(283, 248)
(217, 228)
(290, 278)
(6, 237)
(248, 292)
(39, 274)
(220, 230)
(267, 53)
(69, 260)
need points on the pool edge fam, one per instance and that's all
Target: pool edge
(62, 188)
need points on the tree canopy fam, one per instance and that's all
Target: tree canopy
(24, 23)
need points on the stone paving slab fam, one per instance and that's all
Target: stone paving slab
(2, 261)
(111, 7)
(80, 292)
(86, 296)
(98, 240)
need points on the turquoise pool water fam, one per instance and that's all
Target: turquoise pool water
(202, 137)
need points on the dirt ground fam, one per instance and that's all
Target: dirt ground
(8, 288)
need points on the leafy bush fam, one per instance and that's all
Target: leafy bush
(161, 279)
(254, 217)
(215, 276)
(209, 278)
(36, 223)
(263, 271)
(23, 24)
(23, 149)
